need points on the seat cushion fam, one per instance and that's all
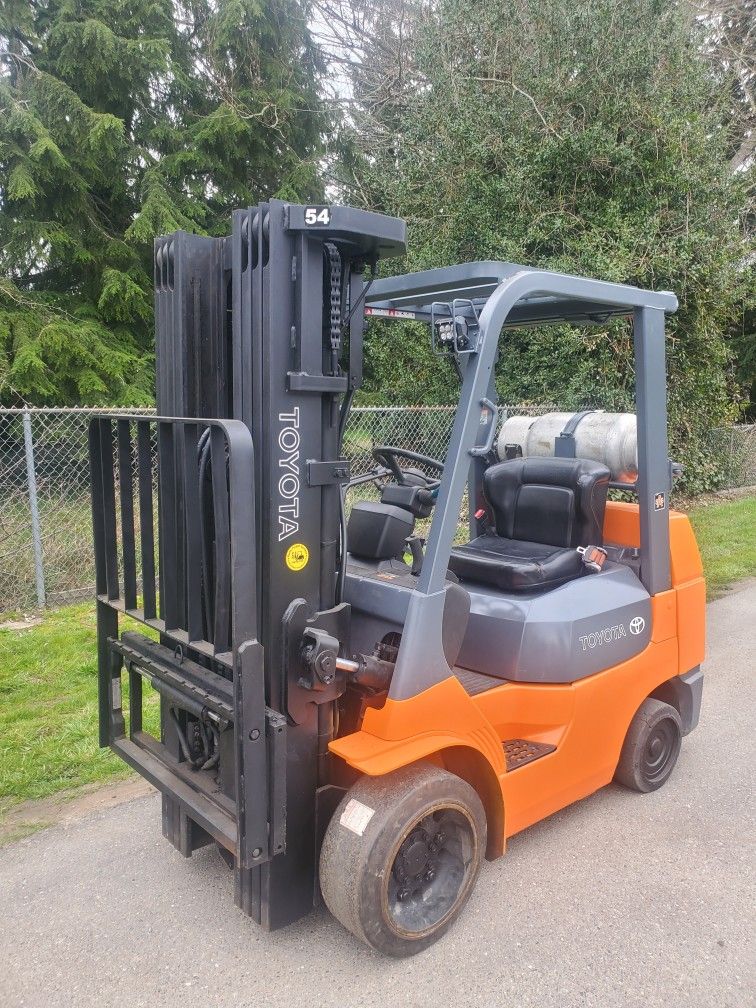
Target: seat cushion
(514, 565)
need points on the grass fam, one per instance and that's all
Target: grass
(48, 674)
(726, 533)
(48, 708)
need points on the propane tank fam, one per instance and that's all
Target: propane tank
(609, 438)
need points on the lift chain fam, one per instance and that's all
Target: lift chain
(334, 268)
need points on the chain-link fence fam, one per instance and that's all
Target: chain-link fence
(45, 518)
(736, 446)
(45, 521)
(422, 429)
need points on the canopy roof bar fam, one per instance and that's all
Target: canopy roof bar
(589, 301)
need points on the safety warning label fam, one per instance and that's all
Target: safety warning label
(356, 816)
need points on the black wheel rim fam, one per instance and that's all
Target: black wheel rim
(660, 751)
(431, 872)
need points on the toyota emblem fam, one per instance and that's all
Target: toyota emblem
(637, 625)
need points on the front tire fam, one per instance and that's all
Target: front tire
(401, 855)
(651, 747)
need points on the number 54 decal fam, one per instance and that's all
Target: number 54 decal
(314, 215)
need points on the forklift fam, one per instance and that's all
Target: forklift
(355, 706)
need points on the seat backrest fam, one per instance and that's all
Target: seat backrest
(554, 501)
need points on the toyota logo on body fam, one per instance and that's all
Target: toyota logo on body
(637, 625)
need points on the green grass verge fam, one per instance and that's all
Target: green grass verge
(48, 674)
(48, 708)
(726, 533)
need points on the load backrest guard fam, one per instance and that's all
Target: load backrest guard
(208, 666)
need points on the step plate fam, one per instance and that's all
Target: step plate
(519, 752)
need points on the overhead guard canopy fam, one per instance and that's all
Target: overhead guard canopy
(411, 295)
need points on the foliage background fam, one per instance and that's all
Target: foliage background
(587, 138)
(120, 121)
(596, 137)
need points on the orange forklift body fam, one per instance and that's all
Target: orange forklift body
(586, 721)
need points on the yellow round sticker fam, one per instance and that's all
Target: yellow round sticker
(297, 556)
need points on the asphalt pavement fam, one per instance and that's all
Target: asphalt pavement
(622, 900)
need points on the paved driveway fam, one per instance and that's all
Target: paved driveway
(622, 900)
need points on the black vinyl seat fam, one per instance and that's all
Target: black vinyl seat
(543, 509)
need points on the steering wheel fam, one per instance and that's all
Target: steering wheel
(387, 455)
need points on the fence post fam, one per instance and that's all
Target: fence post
(31, 482)
(732, 457)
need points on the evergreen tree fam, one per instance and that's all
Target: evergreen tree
(729, 32)
(586, 137)
(120, 121)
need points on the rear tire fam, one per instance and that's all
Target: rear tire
(651, 747)
(401, 855)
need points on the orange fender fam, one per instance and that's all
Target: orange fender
(441, 723)
(403, 731)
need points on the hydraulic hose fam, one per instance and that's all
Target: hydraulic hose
(181, 737)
